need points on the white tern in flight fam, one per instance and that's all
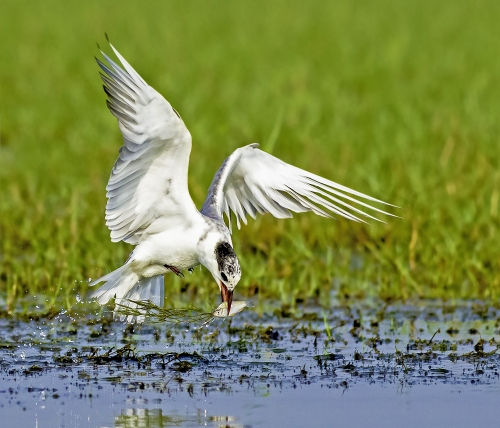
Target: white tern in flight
(149, 205)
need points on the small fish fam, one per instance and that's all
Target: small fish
(236, 307)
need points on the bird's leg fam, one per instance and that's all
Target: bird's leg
(191, 270)
(175, 270)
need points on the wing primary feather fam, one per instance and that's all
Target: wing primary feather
(127, 126)
(118, 70)
(247, 204)
(308, 204)
(339, 201)
(139, 194)
(236, 205)
(269, 205)
(120, 106)
(288, 203)
(120, 114)
(118, 101)
(115, 76)
(253, 201)
(113, 86)
(342, 188)
(336, 192)
(128, 67)
(251, 181)
(314, 198)
(228, 215)
(269, 196)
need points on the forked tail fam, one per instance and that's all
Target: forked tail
(125, 285)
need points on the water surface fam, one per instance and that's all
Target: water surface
(373, 365)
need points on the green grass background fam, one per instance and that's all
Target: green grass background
(397, 99)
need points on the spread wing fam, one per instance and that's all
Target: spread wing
(148, 182)
(251, 181)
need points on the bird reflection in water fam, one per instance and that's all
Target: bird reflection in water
(155, 418)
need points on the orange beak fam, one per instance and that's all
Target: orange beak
(226, 296)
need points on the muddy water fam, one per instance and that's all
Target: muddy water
(388, 366)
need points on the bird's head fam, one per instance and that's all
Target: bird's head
(227, 272)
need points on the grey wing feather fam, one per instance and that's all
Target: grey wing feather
(148, 181)
(251, 181)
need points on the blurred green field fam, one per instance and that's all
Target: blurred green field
(399, 100)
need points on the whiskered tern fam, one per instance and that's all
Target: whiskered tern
(149, 205)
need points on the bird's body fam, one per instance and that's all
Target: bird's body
(180, 246)
(149, 203)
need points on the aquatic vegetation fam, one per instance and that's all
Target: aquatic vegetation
(157, 314)
(191, 314)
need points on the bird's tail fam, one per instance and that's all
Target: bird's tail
(124, 285)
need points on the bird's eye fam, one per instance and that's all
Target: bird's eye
(224, 277)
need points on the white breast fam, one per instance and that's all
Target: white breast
(173, 247)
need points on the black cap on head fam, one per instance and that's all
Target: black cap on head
(229, 266)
